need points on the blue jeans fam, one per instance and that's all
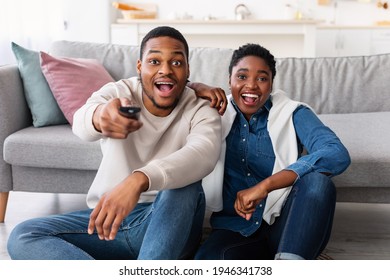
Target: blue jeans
(302, 230)
(168, 228)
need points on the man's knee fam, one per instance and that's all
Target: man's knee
(17, 239)
(190, 192)
(188, 199)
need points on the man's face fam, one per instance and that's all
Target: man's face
(163, 71)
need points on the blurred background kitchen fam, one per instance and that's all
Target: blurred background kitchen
(325, 27)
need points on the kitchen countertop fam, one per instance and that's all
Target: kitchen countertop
(380, 25)
(218, 21)
(319, 23)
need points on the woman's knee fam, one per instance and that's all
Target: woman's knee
(316, 184)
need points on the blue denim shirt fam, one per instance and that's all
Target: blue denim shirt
(250, 159)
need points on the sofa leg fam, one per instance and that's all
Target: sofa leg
(3, 205)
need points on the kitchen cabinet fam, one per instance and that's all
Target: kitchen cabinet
(380, 42)
(343, 42)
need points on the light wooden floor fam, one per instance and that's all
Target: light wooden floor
(360, 231)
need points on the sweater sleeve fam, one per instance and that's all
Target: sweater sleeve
(196, 159)
(82, 119)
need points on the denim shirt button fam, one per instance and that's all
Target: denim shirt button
(248, 174)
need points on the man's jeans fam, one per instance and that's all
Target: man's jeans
(300, 232)
(168, 228)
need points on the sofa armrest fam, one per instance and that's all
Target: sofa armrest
(14, 115)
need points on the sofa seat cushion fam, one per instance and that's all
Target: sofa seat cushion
(367, 138)
(51, 147)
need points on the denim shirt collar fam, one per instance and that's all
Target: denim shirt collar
(267, 105)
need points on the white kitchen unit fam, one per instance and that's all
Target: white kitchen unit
(380, 40)
(343, 41)
(284, 38)
(352, 40)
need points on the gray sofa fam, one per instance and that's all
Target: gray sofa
(350, 94)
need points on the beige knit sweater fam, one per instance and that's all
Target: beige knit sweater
(171, 151)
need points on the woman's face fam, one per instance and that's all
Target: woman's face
(250, 84)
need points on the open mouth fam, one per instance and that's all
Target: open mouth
(250, 98)
(164, 87)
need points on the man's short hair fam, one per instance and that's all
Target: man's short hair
(164, 31)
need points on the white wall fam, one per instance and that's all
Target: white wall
(28, 23)
(35, 23)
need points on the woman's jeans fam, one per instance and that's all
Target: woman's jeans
(302, 230)
(168, 228)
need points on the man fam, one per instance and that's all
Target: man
(147, 200)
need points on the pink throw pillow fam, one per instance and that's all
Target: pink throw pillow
(73, 80)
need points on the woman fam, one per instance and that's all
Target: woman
(278, 197)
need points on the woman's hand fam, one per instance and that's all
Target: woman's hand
(248, 199)
(215, 95)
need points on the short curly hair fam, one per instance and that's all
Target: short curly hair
(253, 50)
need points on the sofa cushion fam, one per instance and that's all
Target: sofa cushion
(73, 80)
(119, 60)
(51, 147)
(58, 147)
(207, 65)
(340, 85)
(327, 84)
(367, 138)
(43, 106)
(210, 66)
